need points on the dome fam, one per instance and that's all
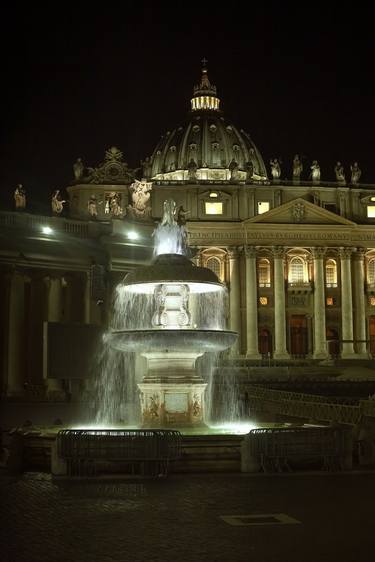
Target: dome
(206, 146)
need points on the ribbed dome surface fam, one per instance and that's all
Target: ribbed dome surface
(206, 142)
(211, 141)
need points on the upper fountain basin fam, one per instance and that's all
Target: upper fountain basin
(171, 340)
(172, 268)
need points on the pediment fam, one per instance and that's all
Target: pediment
(300, 211)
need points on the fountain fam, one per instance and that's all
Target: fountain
(173, 313)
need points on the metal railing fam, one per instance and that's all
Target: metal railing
(296, 404)
(278, 449)
(132, 452)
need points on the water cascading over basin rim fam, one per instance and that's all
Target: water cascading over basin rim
(172, 340)
(172, 268)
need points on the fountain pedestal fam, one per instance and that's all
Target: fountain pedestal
(185, 318)
(172, 393)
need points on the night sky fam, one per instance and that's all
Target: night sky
(76, 82)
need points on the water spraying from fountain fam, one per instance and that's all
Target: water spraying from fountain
(171, 313)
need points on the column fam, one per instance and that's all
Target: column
(87, 297)
(234, 298)
(346, 304)
(16, 335)
(54, 314)
(359, 303)
(320, 336)
(279, 305)
(252, 350)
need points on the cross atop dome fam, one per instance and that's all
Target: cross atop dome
(204, 95)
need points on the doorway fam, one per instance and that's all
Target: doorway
(333, 343)
(299, 345)
(371, 326)
(265, 342)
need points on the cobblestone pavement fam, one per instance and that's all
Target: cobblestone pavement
(179, 518)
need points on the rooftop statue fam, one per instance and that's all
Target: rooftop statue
(356, 173)
(233, 167)
(339, 172)
(192, 170)
(57, 203)
(92, 206)
(20, 197)
(146, 167)
(140, 194)
(315, 172)
(275, 169)
(115, 205)
(78, 168)
(249, 167)
(297, 167)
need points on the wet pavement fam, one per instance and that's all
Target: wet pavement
(286, 517)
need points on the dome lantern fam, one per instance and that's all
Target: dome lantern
(204, 95)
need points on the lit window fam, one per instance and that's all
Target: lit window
(297, 271)
(214, 264)
(330, 301)
(214, 208)
(263, 207)
(372, 301)
(371, 211)
(264, 273)
(214, 194)
(372, 198)
(371, 272)
(263, 301)
(331, 273)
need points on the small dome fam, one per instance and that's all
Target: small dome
(206, 142)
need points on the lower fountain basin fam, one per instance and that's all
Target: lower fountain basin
(171, 340)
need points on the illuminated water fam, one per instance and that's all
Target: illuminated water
(135, 307)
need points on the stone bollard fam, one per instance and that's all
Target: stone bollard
(250, 461)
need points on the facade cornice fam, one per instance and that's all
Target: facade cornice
(224, 234)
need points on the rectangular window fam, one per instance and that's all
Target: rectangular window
(263, 301)
(330, 301)
(214, 208)
(263, 207)
(371, 211)
(372, 301)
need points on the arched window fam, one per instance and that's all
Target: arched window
(264, 273)
(297, 270)
(371, 272)
(214, 264)
(331, 273)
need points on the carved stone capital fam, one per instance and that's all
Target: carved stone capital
(345, 253)
(318, 253)
(250, 251)
(359, 253)
(234, 252)
(278, 252)
(48, 280)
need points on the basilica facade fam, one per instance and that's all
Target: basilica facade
(297, 255)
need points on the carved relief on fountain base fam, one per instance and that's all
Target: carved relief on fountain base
(171, 405)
